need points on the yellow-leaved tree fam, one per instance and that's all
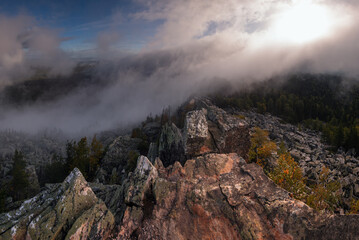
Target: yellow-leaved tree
(325, 195)
(288, 175)
(261, 148)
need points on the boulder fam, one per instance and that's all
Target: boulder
(212, 130)
(70, 210)
(197, 138)
(170, 146)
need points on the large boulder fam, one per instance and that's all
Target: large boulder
(197, 138)
(220, 196)
(212, 130)
(69, 210)
(171, 145)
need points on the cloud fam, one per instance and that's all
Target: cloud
(199, 46)
(23, 45)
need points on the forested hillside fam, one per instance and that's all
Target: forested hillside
(325, 103)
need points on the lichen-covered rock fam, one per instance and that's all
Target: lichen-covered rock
(170, 145)
(152, 152)
(212, 130)
(197, 138)
(220, 196)
(136, 193)
(52, 213)
(95, 223)
(231, 134)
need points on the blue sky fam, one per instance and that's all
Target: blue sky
(80, 21)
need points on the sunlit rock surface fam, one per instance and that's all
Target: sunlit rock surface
(214, 196)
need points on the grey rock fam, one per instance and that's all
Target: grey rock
(171, 145)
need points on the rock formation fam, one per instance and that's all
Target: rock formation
(312, 155)
(69, 210)
(203, 189)
(214, 196)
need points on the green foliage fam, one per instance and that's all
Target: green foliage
(3, 195)
(84, 156)
(19, 181)
(144, 145)
(55, 172)
(132, 161)
(312, 100)
(325, 194)
(288, 175)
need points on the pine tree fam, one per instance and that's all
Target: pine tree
(96, 153)
(19, 181)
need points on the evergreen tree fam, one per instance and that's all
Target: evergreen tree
(19, 181)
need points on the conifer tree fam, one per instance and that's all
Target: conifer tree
(19, 181)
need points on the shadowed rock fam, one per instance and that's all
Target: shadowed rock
(65, 210)
(212, 130)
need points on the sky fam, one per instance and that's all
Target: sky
(80, 22)
(158, 53)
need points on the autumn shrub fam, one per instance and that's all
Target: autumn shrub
(325, 195)
(354, 207)
(261, 148)
(288, 175)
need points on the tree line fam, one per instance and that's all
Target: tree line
(324, 103)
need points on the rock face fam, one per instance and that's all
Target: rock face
(212, 130)
(69, 210)
(170, 145)
(115, 160)
(214, 196)
(219, 196)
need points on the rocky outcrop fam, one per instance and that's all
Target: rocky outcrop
(219, 196)
(116, 158)
(212, 130)
(214, 196)
(170, 145)
(197, 138)
(69, 210)
(312, 155)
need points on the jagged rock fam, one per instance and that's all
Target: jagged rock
(212, 130)
(214, 196)
(230, 134)
(197, 138)
(219, 196)
(170, 145)
(116, 157)
(53, 213)
(152, 152)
